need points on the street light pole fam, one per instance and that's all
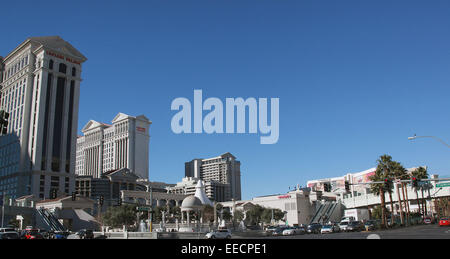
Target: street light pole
(151, 210)
(436, 138)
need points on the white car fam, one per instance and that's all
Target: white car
(293, 231)
(330, 228)
(343, 226)
(219, 234)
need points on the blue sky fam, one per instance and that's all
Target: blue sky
(354, 78)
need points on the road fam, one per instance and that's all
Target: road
(414, 232)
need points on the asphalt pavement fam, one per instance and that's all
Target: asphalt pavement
(414, 232)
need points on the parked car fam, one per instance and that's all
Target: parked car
(31, 234)
(370, 225)
(60, 235)
(301, 230)
(9, 235)
(444, 221)
(270, 229)
(428, 220)
(279, 231)
(219, 234)
(7, 230)
(344, 225)
(314, 228)
(293, 231)
(355, 226)
(329, 228)
(85, 234)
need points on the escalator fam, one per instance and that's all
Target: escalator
(318, 214)
(50, 219)
(324, 212)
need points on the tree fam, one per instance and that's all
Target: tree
(254, 215)
(238, 215)
(120, 215)
(420, 173)
(267, 215)
(386, 165)
(208, 213)
(377, 212)
(378, 189)
(400, 173)
(226, 215)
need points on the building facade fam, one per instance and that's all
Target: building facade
(223, 169)
(123, 144)
(109, 186)
(214, 190)
(40, 89)
(296, 204)
(360, 195)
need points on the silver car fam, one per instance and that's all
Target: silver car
(219, 234)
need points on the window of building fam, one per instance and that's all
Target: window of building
(62, 68)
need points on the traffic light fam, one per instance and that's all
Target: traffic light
(74, 196)
(347, 186)
(387, 184)
(101, 200)
(4, 116)
(53, 193)
(119, 203)
(414, 182)
(326, 187)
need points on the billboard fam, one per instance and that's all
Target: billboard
(363, 178)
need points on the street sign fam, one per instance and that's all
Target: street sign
(144, 209)
(442, 185)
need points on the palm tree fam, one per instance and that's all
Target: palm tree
(386, 166)
(400, 173)
(420, 173)
(378, 189)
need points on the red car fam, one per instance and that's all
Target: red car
(32, 234)
(444, 222)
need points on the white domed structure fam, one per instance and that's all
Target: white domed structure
(191, 203)
(201, 194)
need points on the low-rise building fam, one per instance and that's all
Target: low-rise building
(109, 186)
(296, 205)
(214, 190)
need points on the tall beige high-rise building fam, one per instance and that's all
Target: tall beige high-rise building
(224, 169)
(109, 147)
(40, 89)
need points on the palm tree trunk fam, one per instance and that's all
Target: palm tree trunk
(400, 205)
(406, 204)
(383, 208)
(417, 200)
(407, 201)
(424, 204)
(392, 208)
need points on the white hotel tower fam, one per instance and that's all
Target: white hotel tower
(105, 148)
(40, 88)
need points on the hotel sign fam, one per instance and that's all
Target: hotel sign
(284, 197)
(62, 57)
(140, 129)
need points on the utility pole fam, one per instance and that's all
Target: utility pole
(3, 209)
(150, 213)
